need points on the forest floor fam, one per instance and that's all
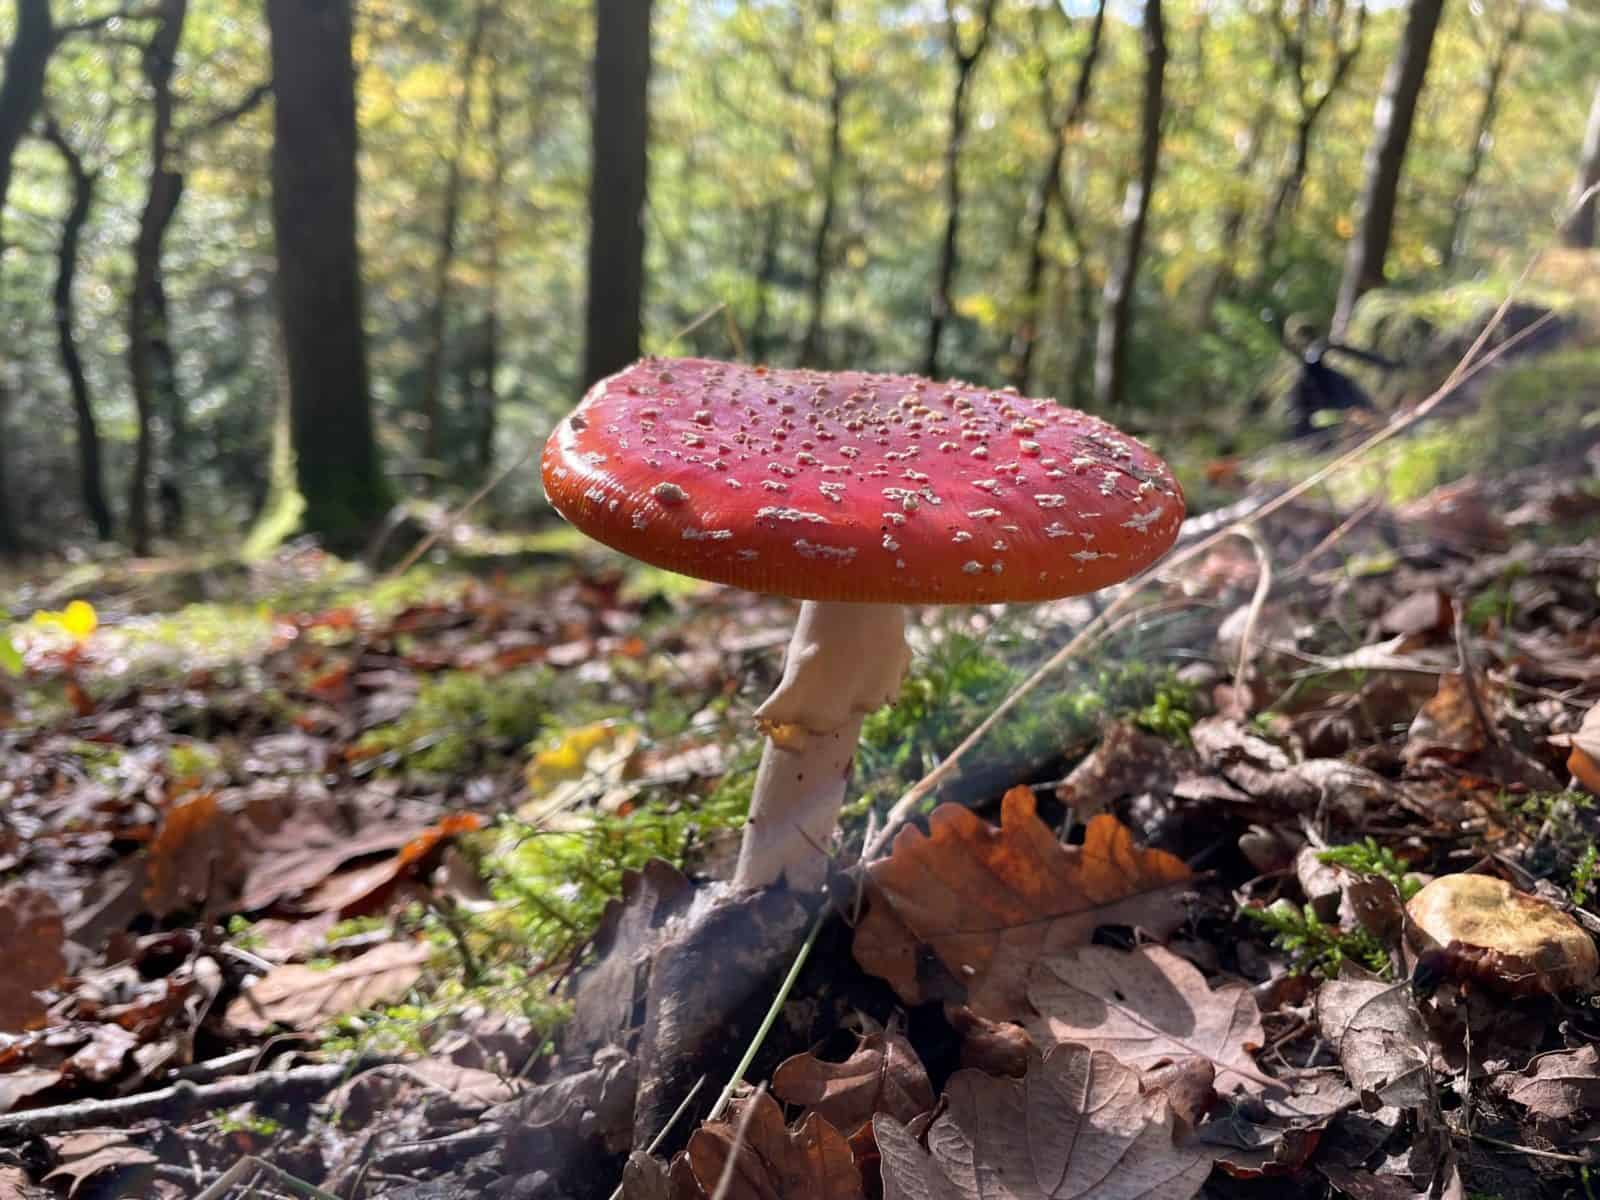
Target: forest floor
(327, 885)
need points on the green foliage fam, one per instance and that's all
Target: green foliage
(1584, 872)
(962, 679)
(10, 659)
(463, 718)
(1366, 857)
(1315, 948)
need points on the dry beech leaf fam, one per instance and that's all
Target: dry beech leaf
(190, 854)
(1584, 761)
(963, 912)
(1077, 1125)
(774, 1162)
(302, 997)
(1558, 1085)
(1447, 727)
(1378, 1034)
(32, 932)
(883, 1075)
(89, 1152)
(1147, 1007)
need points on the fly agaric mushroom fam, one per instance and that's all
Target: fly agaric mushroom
(858, 494)
(1477, 927)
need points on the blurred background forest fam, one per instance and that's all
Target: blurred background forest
(214, 250)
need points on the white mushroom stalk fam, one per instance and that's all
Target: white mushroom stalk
(844, 660)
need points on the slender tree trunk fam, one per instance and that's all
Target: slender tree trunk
(21, 87)
(821, 261)
(1482, 135)
(1045, 186)
(488, 397)
(91, 481)
(1116, 306)
(337, 464)
(617, 188)
(944, 276)
(152, 380)
(1395, 113)
(1580, 228)
(444, 254)
(766, 274)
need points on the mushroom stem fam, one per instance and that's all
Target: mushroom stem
(844, 661)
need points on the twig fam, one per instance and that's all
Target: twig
(767, 1021)
(1469, 677)
(677, 1113)
(1339, 533)
(252, 1166)
(180, 1099)
(427, 543)
(1586, 1160)
(907, 804)
(726, 1181)
(1258, 601)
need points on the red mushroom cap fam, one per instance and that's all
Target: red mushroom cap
(851, 486)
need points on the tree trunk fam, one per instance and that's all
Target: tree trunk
(148, 363)
(444, 255)
(766, 274)
(1047, 185)
(944, 276)
(337, 464)
(617, 187)
(1482, 135)
(1395, 112)
(91, 481)
(1294, 46)
(1580, 228)
(1116, 306)
(487, 398)
(821, 261)
(20, 90)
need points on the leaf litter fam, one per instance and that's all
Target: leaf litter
(241, 868)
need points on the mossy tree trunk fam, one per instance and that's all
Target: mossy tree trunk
(337, 464)
(1392, 120)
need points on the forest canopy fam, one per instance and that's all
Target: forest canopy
(879, 185)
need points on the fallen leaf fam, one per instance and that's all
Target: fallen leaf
(301, 997)
(17, 1086)
(1078, 1125)
(1558, 1085)
(103, 1058)
(189, 855)
(772, 1161)
(90, 1152)
(1584, 761)
(1447, 726)
(1147, 1006)
(606, 996)
(964, 911)
(1380, 1040)
(298, 857)
(882, 1075)
(33, 933)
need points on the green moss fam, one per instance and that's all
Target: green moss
(1315, 948)
(1366, 857)
(466, 718)
(962, 680)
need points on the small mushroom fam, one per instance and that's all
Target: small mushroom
(1478, 928)
(857, 494)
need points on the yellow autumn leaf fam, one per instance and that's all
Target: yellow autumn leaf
(78, 620)
(583, 751)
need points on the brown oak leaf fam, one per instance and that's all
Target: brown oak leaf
(301, 997)
(1559, 1085)
(962, 912)
(1078, 1125)
(1380, 1039)
(883, 1075)
(1147, 1007)
(33, 932)
(774, 1162)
